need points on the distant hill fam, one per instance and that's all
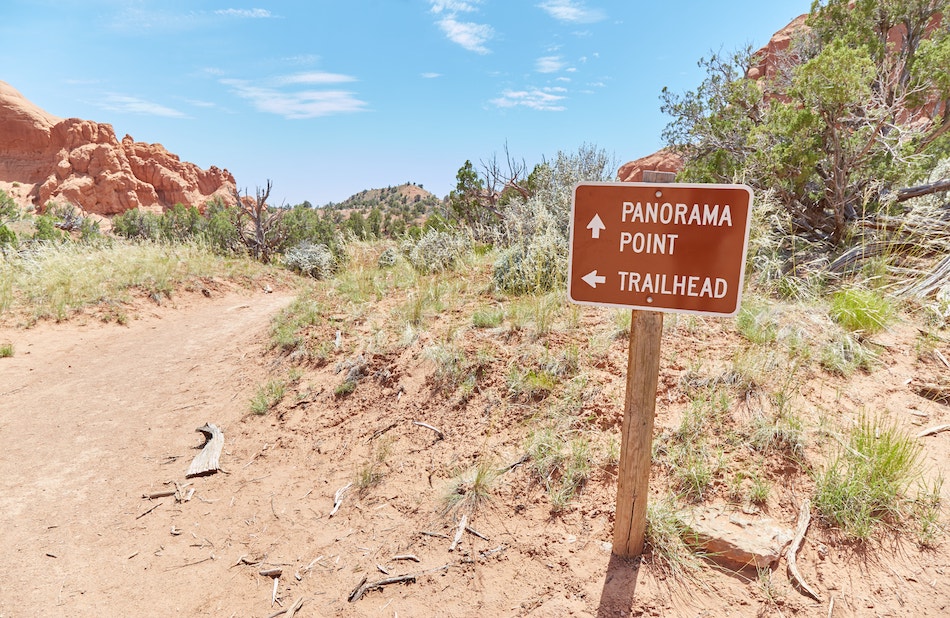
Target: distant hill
(390, 198)
(390, 211)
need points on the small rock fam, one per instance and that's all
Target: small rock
(737, 542)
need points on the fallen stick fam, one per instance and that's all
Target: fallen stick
(934, 392)
(273, 594)
(188, 564)
(804, 517)
(524, 459)
(942, 358)
(338, 498)
(437, 431)
(206, 462)
(380, 432)
(364, 586)
(272, 572)
(412, 557)
(476, 533)
(293, 608)
(164, 493)
(150, 510)
(933, 430)
(437, 535)
(492, 552)
(458, 532)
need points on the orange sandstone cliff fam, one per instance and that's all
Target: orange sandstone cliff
(81, 162)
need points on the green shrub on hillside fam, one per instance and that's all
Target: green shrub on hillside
(313, 260)
(437, 251)
(7, 236)
(532, 267)
(137, 224)
(45, 229)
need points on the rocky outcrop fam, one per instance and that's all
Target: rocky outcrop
(82, 163)
(661, 161)
(769, 57)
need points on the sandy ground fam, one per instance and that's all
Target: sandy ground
(93, 416)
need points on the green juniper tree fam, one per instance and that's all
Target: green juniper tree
(857, 105)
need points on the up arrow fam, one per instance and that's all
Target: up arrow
(595, 226)
(592, 279)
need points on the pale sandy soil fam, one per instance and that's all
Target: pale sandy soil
(94, 415)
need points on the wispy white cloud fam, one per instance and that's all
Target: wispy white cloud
(549, 64)
(471, 35)
(572, 11)
(133, 105)
(302, 59)
(454, 6)
(431, 75)
(245, 13)
(273, 96)
(314, 77)
(546, 100)
(200, 103)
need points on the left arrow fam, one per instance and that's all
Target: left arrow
(592, 279)
(595, 226)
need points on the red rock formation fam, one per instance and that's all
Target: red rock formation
(661, 161)
(81, 162)
(769, 56)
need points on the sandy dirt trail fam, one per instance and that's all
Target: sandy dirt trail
(90, 417)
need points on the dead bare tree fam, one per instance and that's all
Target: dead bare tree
(500, 181)
(260, 227)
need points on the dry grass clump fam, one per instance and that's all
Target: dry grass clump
(54, 280)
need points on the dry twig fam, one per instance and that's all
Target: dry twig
(933, 430)
(364, 586)
(149, 511)
(458, 533)
(163, 493)
(438, 432)
(338, 498)
(804, 517)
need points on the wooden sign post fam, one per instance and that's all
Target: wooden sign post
(636, 431)
(654, 248)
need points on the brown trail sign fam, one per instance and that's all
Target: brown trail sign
(659, 247)
(655, 248)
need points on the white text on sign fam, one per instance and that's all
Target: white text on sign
(677, 214)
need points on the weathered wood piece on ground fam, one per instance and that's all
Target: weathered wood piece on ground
(338, 498)
(163, 493)
(458, 532)
(804, 517)
(933, 431)
(206, 462)
(437, 431)
(365, 586)
(912, 192)
(934, 392)
(290, 611)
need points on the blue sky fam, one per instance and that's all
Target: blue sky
(330, 97)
